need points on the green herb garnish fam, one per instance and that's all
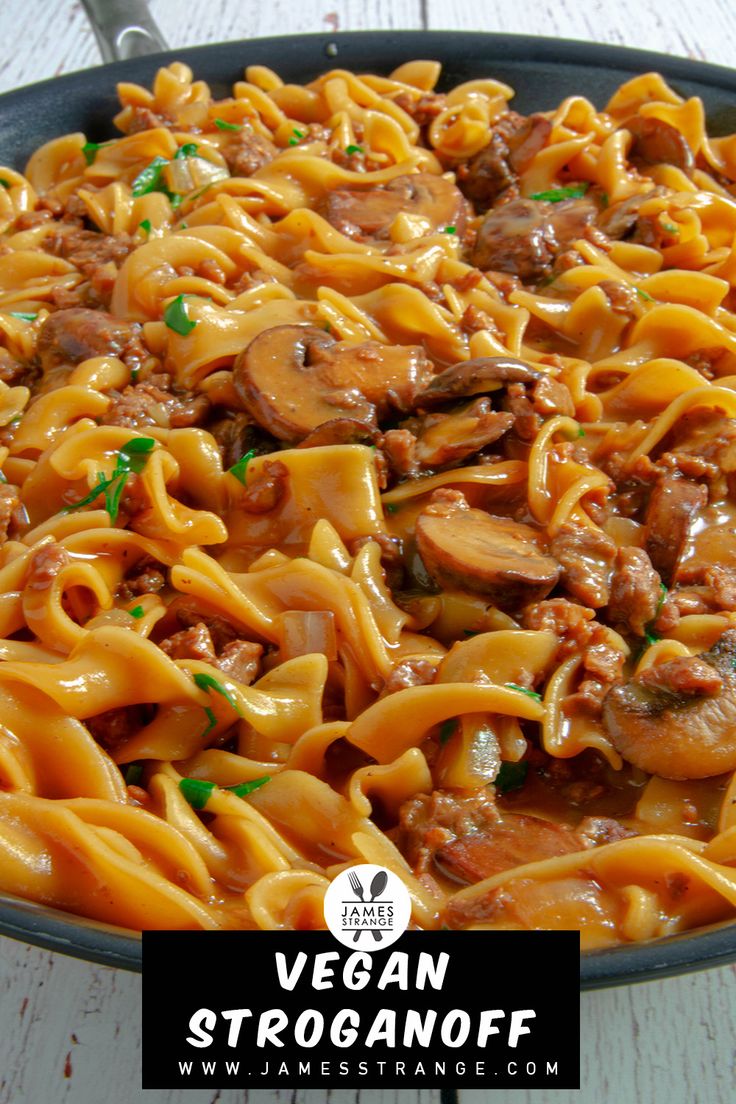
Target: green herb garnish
(581, 432)
(189, 149)
(670, 228)
(245, 788)
(145, 225)
(643, 294)
(450, 230)
(209, 682)
(523, 690)
(392, 507)
(137, 612)
(663, 592)
(3, 477)
(4, 183)
(604, 199)
(447, 729)
(222, 125)
(556, 195)
(132, 457)
(471, 632)
(23, 316)
(354, 149)
(511, 776)
(212, 721)
(133, 774)
(546, 281)
(651, 638)
(196, 791)
(239, 469)
(89, 149)
(149, 179)
(177, 318)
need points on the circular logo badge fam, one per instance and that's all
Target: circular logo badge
(367, 907)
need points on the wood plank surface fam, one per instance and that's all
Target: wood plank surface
(69, 1032)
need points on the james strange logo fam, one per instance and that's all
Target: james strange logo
(367, 907)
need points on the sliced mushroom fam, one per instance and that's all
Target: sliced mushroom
(657, 143)
(447, 439)
(619, 219)
(470, 549)
(341, 431)
(514, 840)
(369, 212)
(292, 379)
(673, 507)
(678, 719)
(523, 237)
(475, 377)
(515, 140)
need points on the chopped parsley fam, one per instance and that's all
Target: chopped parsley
(149, 179)
(392, 507)
(447, 729)
(3, 477)
(239, 469)
(651, 638)
(643, 294)
(244, 788)
(189, 149)
(354, 149)
(133, 774)
(196, 791)
(89, 149)
(511, 776)
(132, 457)
(137, 612)
(145, 226)
(604, 199)
(450, 230)
(670, 228)
(4, 183)
(177, 318)
(663, 592)
(23, 316)
(221, 124)
(556, 195)
(523, 690)
(211, 719)
(581, 431)
(209, 682)
(298, 134)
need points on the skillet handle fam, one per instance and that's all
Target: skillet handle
(124, 28)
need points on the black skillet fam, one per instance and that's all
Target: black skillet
(543, 71)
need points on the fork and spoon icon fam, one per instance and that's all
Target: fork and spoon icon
(376, 888)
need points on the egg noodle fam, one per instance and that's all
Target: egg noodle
(368, 460)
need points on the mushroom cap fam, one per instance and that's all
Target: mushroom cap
(486, 554)
(294, 378)
(369, 212)
(658, 143)
(475, 377)
(678, 735)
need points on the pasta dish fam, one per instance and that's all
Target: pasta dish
(368, 460)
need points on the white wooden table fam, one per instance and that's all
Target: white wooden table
(69, 1032)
